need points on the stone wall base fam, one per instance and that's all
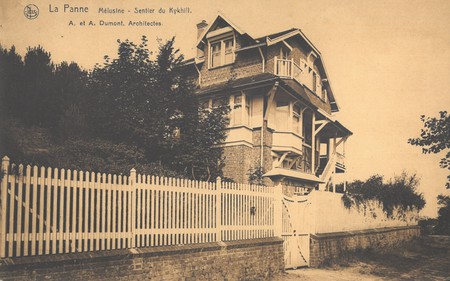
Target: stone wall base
(329, 246)
(256, 259)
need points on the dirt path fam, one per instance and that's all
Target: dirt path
(424, 259)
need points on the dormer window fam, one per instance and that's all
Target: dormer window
(221, 44)
(221, 52)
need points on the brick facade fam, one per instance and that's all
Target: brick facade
(252, 76)
(238, 162)
(329, 246)
(241, 159)
(257, 259)
(248, 63)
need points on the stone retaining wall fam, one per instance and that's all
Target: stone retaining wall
(257, 259)
(329, 246)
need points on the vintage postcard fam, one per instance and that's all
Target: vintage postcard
(223, 140)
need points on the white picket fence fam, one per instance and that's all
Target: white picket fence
(54, 211)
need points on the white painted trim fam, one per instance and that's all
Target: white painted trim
(222, 31)
(287, 45)
(280, 148)
(220, 14)
(234, 143)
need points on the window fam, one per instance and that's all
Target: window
(284, 54)
(219, 101)
(284, 66)
(229, 54)
(241, 113)
(222, 52)
(237, 109)
(282, 115)
(215, 54)
(247, 110)
(296, 115)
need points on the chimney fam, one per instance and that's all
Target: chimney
(201, 27)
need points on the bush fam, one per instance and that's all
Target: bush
(399, 192)
(443, 221)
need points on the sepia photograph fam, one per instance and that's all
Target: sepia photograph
(224, 140)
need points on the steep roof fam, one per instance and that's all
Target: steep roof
(268, 40)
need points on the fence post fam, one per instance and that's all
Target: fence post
(3, 204)
(219, 209)
(278, 209)
(133, 206)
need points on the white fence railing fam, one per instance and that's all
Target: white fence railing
(53, 211)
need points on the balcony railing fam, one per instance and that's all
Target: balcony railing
(287, 68)
(340, 161)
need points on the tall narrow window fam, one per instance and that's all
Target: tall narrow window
(297, 119)
(229, 55)
(216, 54)
(237, 109)
(282, 115)
(247, 110)
(283, 64)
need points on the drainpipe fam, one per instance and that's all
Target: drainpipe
(264, 117)
(262, 143)
(199, 74)
(262, 59)
(262, 126)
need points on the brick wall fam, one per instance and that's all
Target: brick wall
(247, 63)
(239, 159)
(329, 246)
(257, 259)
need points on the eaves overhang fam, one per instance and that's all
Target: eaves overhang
(292, 174)
(242, 83)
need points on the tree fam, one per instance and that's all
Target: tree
(443, 224)
(11, 82)
(435, 137)
(137, 110)
(151, 104)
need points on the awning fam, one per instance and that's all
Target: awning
(335, 129)
(293, 174)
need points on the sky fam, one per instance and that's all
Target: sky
(388, 61)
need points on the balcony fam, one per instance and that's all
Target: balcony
(287, 69)
(287, 141)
